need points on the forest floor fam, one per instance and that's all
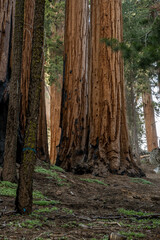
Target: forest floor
(68, 206)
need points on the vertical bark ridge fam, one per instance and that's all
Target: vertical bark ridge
(109, 149)
(74, 116)
(55, 106)
(9, 169)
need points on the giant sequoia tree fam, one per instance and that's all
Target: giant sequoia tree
(108, 141)
(105, 147)
(74, 99)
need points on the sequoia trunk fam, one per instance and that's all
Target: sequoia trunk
(150, 125)
(9, 169)
(109, 148)
(42, 137)
(73, 144)
(55, 109)
(6, 29)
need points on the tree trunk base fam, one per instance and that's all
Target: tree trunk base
(81, 164)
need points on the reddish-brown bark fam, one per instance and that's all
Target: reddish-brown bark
(42, 137)
(74, 99)
(6, 33)
(150, 124)
(109, 148)
(55, 109)
(26, 59)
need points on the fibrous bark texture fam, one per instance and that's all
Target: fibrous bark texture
(94, 128)
(109, 148)
(25, 81)
(74, 93)
(25, 186)
(55, 110)
(9, 168)
(26, 60)
(6, 27)
(42, 137)
(150, 124)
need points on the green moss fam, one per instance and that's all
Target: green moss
(90, 180)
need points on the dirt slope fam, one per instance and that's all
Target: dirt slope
(68, 206)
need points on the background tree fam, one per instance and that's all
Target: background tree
(54, 48)
(24, 192)
(6, 36)
(9, 168)
(141, 59)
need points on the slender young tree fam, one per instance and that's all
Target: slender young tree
(74, 94)
(25, 81)
(25, 186)
(9, 168)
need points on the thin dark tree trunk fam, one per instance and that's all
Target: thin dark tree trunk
(25, 186)
(9, 168)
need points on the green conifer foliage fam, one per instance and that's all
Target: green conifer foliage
(54, 20)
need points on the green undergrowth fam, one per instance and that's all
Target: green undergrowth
(28, 223)
(67, 210)
(137, 224)
(141, 180)
(8, 189)
(46, 210)
(45, 202)
(132, 212)
(51, 174)
(56, 168)
(132, 235)
(90, 180)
